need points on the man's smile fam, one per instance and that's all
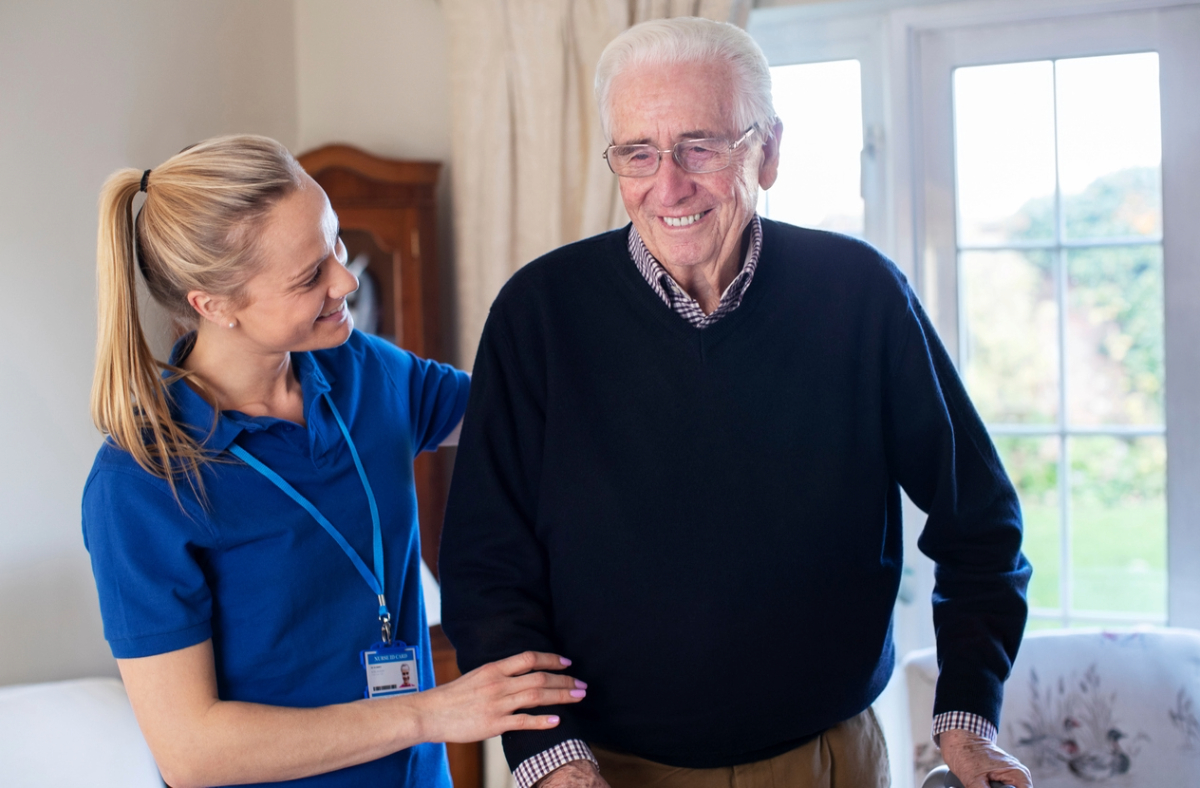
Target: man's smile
(683, 221)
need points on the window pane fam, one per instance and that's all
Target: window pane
(1010, 335)
(820, 169)
(1004, 152)
(1119, 524)
(1109, 146)
(1115, 335)
(1032, 464)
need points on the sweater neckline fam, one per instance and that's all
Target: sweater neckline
(646, 300)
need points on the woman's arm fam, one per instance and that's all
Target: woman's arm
(198, 739)
(452, 438)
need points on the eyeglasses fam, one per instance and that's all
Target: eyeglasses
(697, 156)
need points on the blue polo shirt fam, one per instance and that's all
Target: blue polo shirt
(285, 608)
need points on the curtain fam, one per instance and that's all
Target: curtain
(526, 169)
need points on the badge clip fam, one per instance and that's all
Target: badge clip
(385, 622)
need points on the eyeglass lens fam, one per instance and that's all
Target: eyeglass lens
(697, 156)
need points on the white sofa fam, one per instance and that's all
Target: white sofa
(1088, 707)
(69, 733)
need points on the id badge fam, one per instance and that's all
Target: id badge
(391, 670)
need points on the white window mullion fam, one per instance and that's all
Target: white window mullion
(1065, 585)
(1065, 573)
(1180, 75)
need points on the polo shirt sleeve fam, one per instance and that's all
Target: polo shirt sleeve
(436, 393)
(147, 553)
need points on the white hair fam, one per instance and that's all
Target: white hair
(667, 42)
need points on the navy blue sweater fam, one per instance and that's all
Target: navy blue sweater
(707, 521)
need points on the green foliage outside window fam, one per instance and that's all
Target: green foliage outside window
(1115, 376)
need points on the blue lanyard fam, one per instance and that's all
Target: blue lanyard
(375, 581)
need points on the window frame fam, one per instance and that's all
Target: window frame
(793, 41)
(1125, 31)
(903, 47)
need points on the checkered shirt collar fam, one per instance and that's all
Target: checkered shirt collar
(674, 296)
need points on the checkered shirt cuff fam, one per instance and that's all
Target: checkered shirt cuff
(538, 766)
(962, 721)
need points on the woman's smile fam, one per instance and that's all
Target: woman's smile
(337, 314)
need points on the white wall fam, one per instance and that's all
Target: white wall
(375, 74)
(86, 88)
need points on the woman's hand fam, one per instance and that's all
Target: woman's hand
(199, 739)
(482, 703)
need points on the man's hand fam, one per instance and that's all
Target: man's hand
(576, 774)
(975, 760)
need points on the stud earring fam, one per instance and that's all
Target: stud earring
(232, 323)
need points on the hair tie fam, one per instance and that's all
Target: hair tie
(145, 180)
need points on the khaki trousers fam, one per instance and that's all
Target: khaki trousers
(851, 754)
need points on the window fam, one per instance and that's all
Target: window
(828, 91)
(1055, 245)
(1024, 295)
(820, 171)
(1059, 247)
(1051, 159)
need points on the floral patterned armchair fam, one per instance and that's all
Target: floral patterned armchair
(1082, 707)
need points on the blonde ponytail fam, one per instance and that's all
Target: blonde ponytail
(195, 232)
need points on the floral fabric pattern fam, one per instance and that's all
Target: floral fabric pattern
(1072, 727)
(1088, 707)
(1183, 717)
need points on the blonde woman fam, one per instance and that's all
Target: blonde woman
(251, 518)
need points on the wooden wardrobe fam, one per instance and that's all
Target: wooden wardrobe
(388, 211)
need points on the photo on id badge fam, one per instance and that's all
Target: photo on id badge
(391, 670)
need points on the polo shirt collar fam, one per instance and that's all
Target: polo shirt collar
(196, 414)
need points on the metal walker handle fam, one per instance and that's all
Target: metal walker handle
(942, 777)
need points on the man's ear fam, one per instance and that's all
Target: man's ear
(768, 171)
(211, 308)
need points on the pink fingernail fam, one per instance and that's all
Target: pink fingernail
(564, 661)
(578, 693)
(580, 684)
(552, 719)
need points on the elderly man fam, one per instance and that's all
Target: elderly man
(685, 446)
